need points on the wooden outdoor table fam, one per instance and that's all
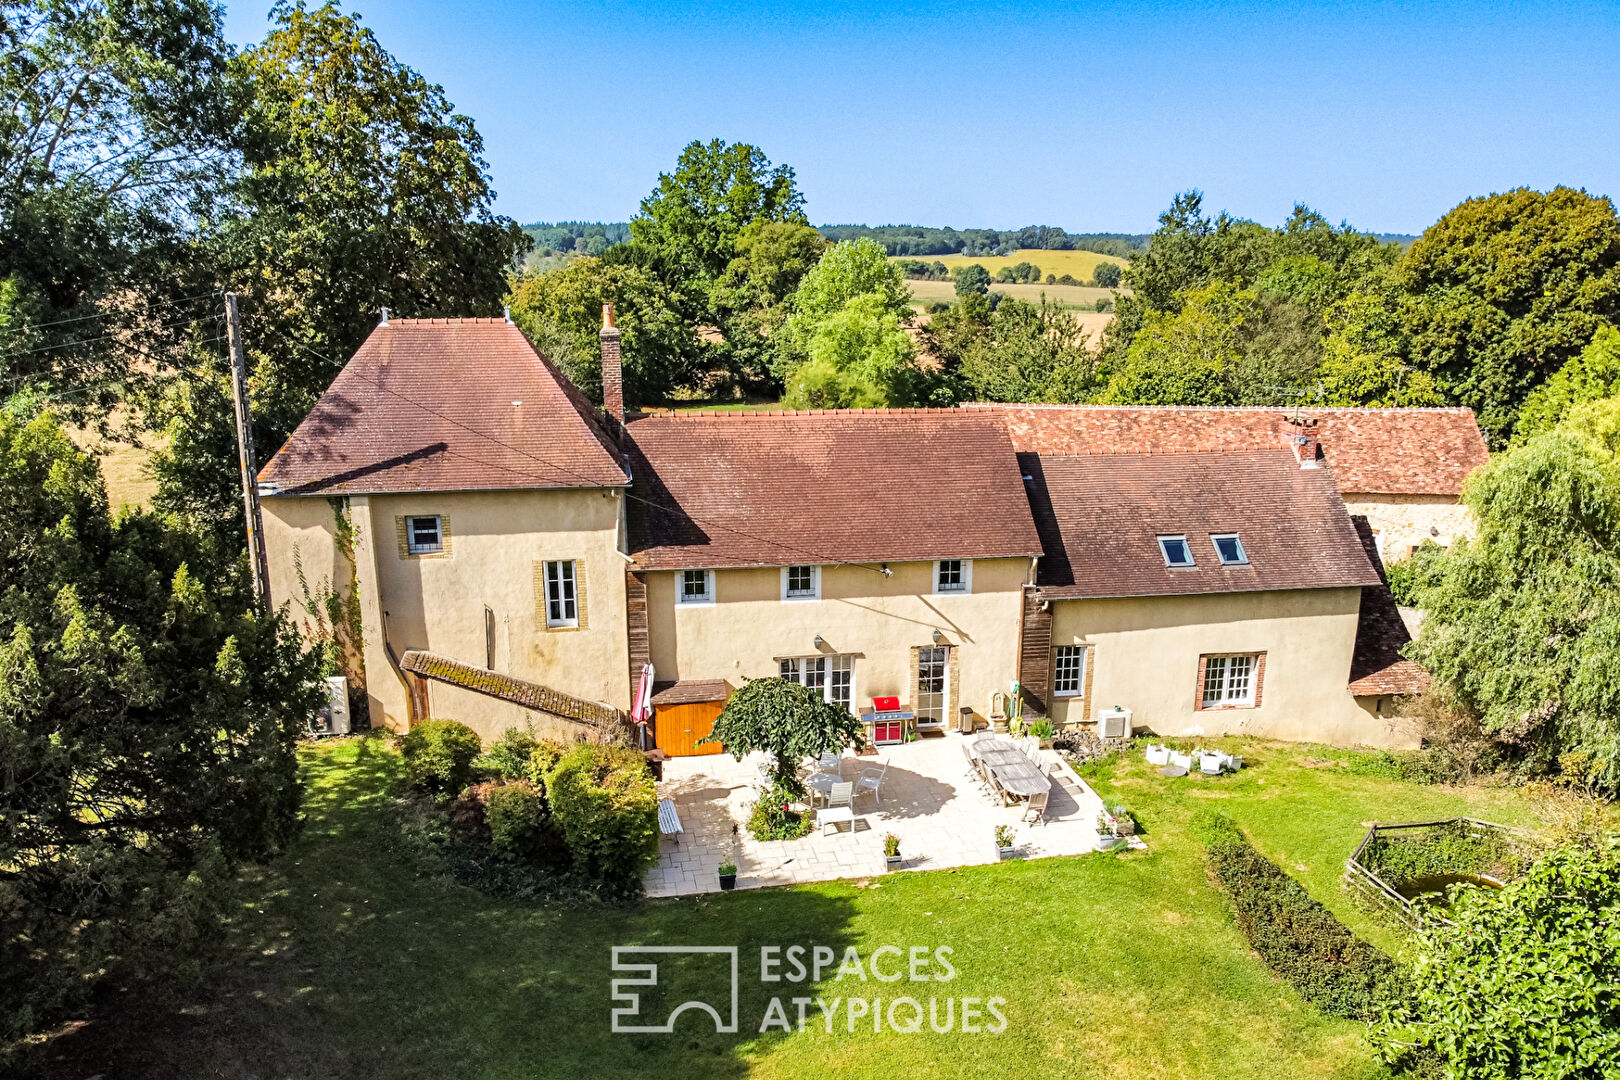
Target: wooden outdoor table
(1017, 774)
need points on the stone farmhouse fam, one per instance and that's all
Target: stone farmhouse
(520, 557)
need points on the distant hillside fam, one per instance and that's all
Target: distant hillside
(589, 237)
(926, 240)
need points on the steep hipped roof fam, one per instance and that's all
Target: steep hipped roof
(1371, 451)
(1377, 666)
(445, 405)
(768, 489)
(1100, 515)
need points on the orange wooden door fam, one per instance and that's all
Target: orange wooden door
(681, 726)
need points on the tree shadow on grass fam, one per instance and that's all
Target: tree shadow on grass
(345, 959)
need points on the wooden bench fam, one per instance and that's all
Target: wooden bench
(669, 822)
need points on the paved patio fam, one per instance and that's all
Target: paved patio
(928, 801)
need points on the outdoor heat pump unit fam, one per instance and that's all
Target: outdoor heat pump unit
(332, 718)
(1114, 723)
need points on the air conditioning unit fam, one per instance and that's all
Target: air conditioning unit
(1114, 723)
(332, 718)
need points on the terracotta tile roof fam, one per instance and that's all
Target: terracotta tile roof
(509, 688)
(769, 489)
(1100, 516)
(690, 691)
(445, 405)
(1377, 666)
(1372, 451)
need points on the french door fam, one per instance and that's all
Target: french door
(933, 671)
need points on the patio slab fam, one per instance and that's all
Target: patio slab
(928, 801)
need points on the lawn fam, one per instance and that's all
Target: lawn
(351, 960)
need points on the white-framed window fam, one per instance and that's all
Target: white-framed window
(562, 605)
(1229, 680)
(834, 676)
(424, 535)
(953, 576)
(695, 587)
(1069, 671)
(801, 582)
(1229, 549)
(1177, 552)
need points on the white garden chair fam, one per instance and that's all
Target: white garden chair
(871, 781)
(839, 808)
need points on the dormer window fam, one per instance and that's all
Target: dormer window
(1229, 549)
(1177, 552)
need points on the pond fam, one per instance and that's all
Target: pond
(1432, 889)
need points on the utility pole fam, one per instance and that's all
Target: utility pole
(249, 460)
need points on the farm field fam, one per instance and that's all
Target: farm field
(352, 956)
(1078, 264)
(123, 466)
(1079, 297)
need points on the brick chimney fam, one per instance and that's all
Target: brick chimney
(612, 368)
(1303, 437)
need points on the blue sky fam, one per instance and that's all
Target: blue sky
(992, 114)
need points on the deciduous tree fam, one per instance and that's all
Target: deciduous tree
(786, 720)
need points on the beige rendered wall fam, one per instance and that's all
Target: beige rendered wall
(437, 603)
(1402, 522)
(1144, 655)
(879, 620)
(303, 532)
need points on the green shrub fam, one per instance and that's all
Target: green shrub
(605, 803)
(439, 756)
(543, 758)
(1297, 937)
(508, 756)
(1521, 982)
(1041, 728)
(521, 828)
(774, 817)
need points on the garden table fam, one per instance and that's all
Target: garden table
(1017, 774)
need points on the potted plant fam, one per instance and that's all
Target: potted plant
(1004, 841)
(1124, 824)
(1043, 730)
(891, 849)
(728, 875)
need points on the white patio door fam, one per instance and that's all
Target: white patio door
(933, 672)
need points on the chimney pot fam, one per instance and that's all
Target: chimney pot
(608, 322)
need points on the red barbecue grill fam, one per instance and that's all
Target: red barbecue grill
(887, 721)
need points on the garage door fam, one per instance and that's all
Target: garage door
(679, 728)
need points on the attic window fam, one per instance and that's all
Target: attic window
(1177, 552)
(424, 535)
(1230, 549)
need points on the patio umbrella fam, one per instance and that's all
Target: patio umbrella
(641, 709)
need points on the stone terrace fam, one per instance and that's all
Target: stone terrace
(928, 801)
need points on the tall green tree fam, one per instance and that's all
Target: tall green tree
(1504, 290)
(561, 312)
(845, 272)
(360, 188)
(111, 139)
(859, 357)
(694, 215)
(147, 727)
(1017, 352)
(750, 299)
(1591, 376)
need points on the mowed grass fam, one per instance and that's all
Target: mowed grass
(350, 961)
(1079, 265)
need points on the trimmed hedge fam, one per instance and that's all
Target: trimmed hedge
(439, 756)
(1297, 937)
(604, 800)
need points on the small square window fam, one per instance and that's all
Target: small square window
(424, 535)
(1177, 552)
(953, 576)
(1229, 549)
(1069, 671)
(801, 583)
(697, 587)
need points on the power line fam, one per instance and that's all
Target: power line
(181, 321)
(818, 557)
(104, 314)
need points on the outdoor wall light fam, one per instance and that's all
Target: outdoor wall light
(819, 642)
(939, 637)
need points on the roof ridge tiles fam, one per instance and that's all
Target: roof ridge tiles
(1092, 406)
